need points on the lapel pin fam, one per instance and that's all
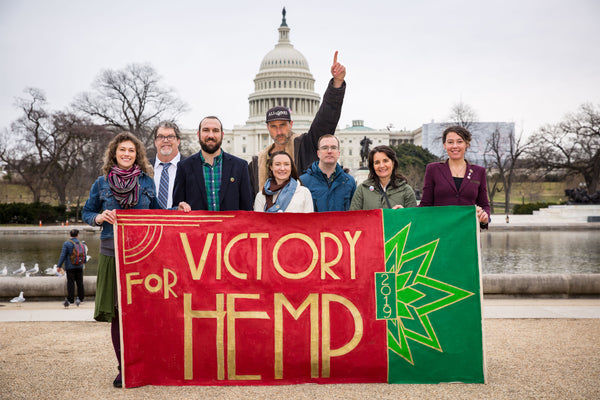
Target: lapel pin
(232, 179)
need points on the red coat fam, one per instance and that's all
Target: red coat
(439, 188)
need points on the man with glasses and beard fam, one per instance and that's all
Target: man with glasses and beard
(301, 147)
(167, 139)
(212, 179)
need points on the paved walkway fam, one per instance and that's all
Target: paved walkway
(517, 308)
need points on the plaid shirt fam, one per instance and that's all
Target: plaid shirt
(212, 180)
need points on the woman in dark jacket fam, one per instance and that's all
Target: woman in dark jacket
(456, 182)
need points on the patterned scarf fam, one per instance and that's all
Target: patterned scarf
(124, 185)
(286, 192)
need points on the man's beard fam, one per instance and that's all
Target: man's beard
(211, 147)
(283, 139)
(166, 151)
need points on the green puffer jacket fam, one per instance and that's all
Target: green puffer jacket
(368, 196)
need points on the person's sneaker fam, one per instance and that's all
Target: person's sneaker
(77, 302)
(66, 303)
(118, 382)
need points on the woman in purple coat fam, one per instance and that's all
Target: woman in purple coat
(456, 182)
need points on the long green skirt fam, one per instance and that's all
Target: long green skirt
(106, 289)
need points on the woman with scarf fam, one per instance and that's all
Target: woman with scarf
(385, 186)
(127, 183)
(283, 191)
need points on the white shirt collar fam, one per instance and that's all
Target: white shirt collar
(174, 161)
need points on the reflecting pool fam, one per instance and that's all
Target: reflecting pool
(524, 252)
(503, 252)
(44, 249)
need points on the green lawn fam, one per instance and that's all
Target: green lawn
(15, 193)
(528, 192)
(532, 192)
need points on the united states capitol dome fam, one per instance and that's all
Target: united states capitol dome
(284, 79)
(284, 55)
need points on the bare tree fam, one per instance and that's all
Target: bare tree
(74, 137)
(493, 186)
(462, 114)
(572, 145)
(46, 149)
(130, 99)
(502, 153)
(94, 141)
(25, 148)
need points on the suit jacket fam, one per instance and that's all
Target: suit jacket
(235, 193)
(439, 188)
(152, 161)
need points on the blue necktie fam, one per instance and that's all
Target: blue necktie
(163, 189)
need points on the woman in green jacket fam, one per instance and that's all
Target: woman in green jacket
(385, 187)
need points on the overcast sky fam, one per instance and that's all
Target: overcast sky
(408, 62)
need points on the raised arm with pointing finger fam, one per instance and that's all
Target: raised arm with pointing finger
(303, 147)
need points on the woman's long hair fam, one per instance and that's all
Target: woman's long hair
(110, 155)
(294, 172)
(396, 177)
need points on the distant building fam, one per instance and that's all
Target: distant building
(284, 78)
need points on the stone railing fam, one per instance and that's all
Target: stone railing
(559, 285)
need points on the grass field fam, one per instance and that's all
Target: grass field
(532, 192)
(522, 192)
(14, 193)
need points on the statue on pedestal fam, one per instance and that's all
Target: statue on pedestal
(364, 151)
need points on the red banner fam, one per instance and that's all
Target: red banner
(244, 298)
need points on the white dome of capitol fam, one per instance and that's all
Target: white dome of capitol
(284, 79)
(284, 56)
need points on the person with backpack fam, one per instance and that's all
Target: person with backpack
(73, 256)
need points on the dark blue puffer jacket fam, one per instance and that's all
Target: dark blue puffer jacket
(326, 198)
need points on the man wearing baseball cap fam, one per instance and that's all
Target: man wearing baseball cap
(302, 147)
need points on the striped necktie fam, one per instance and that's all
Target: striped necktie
(163, 189)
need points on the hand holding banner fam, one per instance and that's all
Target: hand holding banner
(220, 298)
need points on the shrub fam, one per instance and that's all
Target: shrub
(31, 213)
(529, 208)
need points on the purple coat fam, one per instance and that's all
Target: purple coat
(439, 188)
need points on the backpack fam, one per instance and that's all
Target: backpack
(78, 256)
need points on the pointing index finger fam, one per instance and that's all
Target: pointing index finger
(335, 57)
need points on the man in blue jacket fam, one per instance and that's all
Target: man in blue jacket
(74, 272)
(331, 188)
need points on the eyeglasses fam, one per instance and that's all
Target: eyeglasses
(160, 138)
(326, 148)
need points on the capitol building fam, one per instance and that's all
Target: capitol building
(284, 79)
